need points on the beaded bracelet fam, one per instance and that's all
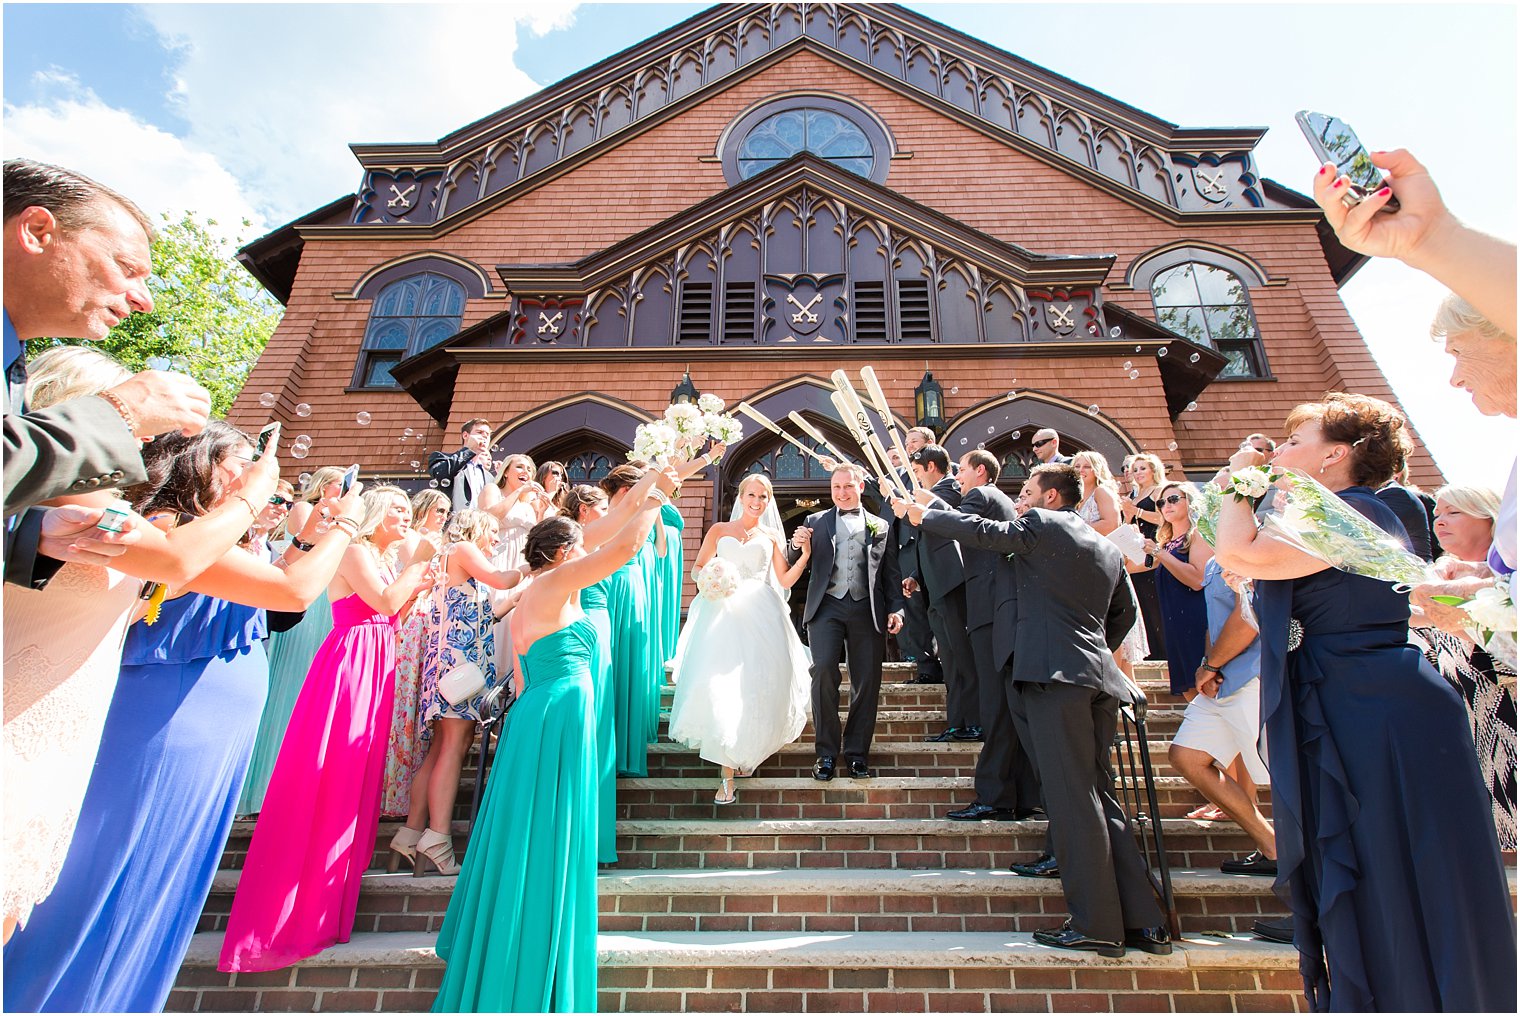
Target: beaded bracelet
(122, 409)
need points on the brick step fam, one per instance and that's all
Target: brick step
(883, 843)
(812, 899)
(787, 972)
(765, 797)
(918, 724)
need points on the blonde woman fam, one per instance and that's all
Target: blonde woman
(430, 510)
(518, 504)
(737, 709)
(457, 630)
(1180, 556)
(1099, 508)
(1138, 505)
(300, 886)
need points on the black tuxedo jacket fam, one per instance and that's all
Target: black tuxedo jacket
(937, 564)
(444, 466)
(882, 572)
(983, 604)
(1074, 607)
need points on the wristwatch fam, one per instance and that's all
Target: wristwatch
(1206, 665)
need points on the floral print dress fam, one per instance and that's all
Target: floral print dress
(466, 625)
(407, 748)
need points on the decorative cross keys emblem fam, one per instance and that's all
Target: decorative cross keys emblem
(549, 325)
(1061, 318)
(400, 199)
(804, 311)
(1208, 185)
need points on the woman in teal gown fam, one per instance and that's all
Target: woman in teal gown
(628, 610)
(520, 932)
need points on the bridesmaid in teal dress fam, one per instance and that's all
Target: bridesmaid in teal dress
(671, 576)
(628, 609)
(520, 933)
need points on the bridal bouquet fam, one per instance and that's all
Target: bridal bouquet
(1317, 522)
(718, 579)
(684, 431)
(1492, 618)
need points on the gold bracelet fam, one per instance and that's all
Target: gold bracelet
(122, 409)
(247, 504)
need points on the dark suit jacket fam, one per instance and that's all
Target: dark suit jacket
(444, 466)
(1411, 511)
(882, 573)
(987, 502)
(937, 564)
(1074, 605)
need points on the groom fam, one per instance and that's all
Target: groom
(854, 597)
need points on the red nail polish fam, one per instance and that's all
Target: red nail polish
(1323, 170)
(1385, 192)
(1338, 183)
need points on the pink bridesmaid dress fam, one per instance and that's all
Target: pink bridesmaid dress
(299, 888)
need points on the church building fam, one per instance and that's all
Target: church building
(765, 193)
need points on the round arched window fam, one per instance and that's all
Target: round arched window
(831, 129)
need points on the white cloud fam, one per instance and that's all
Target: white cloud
(71, 126)
(277, 91)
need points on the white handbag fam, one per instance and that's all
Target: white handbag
(464, 681)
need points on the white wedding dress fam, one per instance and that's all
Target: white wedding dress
(743, 686)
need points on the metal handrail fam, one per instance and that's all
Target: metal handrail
(1133, 731)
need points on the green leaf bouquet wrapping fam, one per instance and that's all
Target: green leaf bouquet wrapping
(1316, 521)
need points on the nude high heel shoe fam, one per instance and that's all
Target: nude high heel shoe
(437, 851)
(403, 848)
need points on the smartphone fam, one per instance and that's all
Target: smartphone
(349, 476)
(271, 432)
(1334, 141)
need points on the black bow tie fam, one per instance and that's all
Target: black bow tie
(849, 511)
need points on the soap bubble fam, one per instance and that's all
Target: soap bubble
(268, 399)
(1015, 435)
(992, 430)
(1134, 374)
(1128, 364)
(1192, 406)
(1093, 410)
(408, 432)
(955, 390)
(963, 440)
(303, 409)
(981, 447)
(302, 439)
(417, 436)
(415, 464)
(1138, 348)
(300, 451)
(1092, 329)
(1193, 358)
(1171, 446)
(304, 479)
(1161, 351)
(1115, 332)
(362, 419)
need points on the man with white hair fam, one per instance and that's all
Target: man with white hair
(1047, 447)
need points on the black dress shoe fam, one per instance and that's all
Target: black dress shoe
(1274, 931)
(980, 813)
(925, 679)
(1044, 866)
(859, 770)
(1070, 938)
(1254, 863)
(823, 769)
(1157, 941)
(967, 734)
(948, 734)
(1024, 813)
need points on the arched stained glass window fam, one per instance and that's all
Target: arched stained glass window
(826, 134)
(1209, 305)
(408, 316)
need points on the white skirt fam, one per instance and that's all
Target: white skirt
(1227, 727)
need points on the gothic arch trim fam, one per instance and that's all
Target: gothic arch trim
(589, 411)
(1144, 269)
(476, 283)
(1032, 409)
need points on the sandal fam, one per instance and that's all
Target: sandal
(1207, 813)
(436, 850)
(403, 848)
(726, 793)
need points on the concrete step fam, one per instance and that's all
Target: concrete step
(787, 972)
(918, 724)
(766, 797)
(812, 899)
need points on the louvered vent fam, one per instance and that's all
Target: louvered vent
(696, 324)
(738, 312)
(913, 310)
(870, 312)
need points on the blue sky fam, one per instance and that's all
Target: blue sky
(246, 111)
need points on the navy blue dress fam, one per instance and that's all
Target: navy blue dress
(155, 819)
(1384, 838)
(1184, 616)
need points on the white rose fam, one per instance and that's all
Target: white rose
(1491, 609)
(710, 404)
(1252, 483)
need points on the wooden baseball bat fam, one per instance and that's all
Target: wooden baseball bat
(879, 397)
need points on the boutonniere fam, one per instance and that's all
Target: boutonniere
(874, 526)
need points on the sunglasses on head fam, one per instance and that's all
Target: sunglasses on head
(281, 502)
(1174, 498)
(1042, 444)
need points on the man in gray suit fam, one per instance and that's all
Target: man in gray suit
(854, 600)
(76, 263)
(1073, 610)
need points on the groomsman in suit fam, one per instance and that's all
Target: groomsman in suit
(465, 473)
(939, 573)
(1047, 447)
(854, 600)
(1073, 610)
(1006, 785)
(916, 640)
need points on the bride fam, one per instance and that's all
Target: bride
(742, 680)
